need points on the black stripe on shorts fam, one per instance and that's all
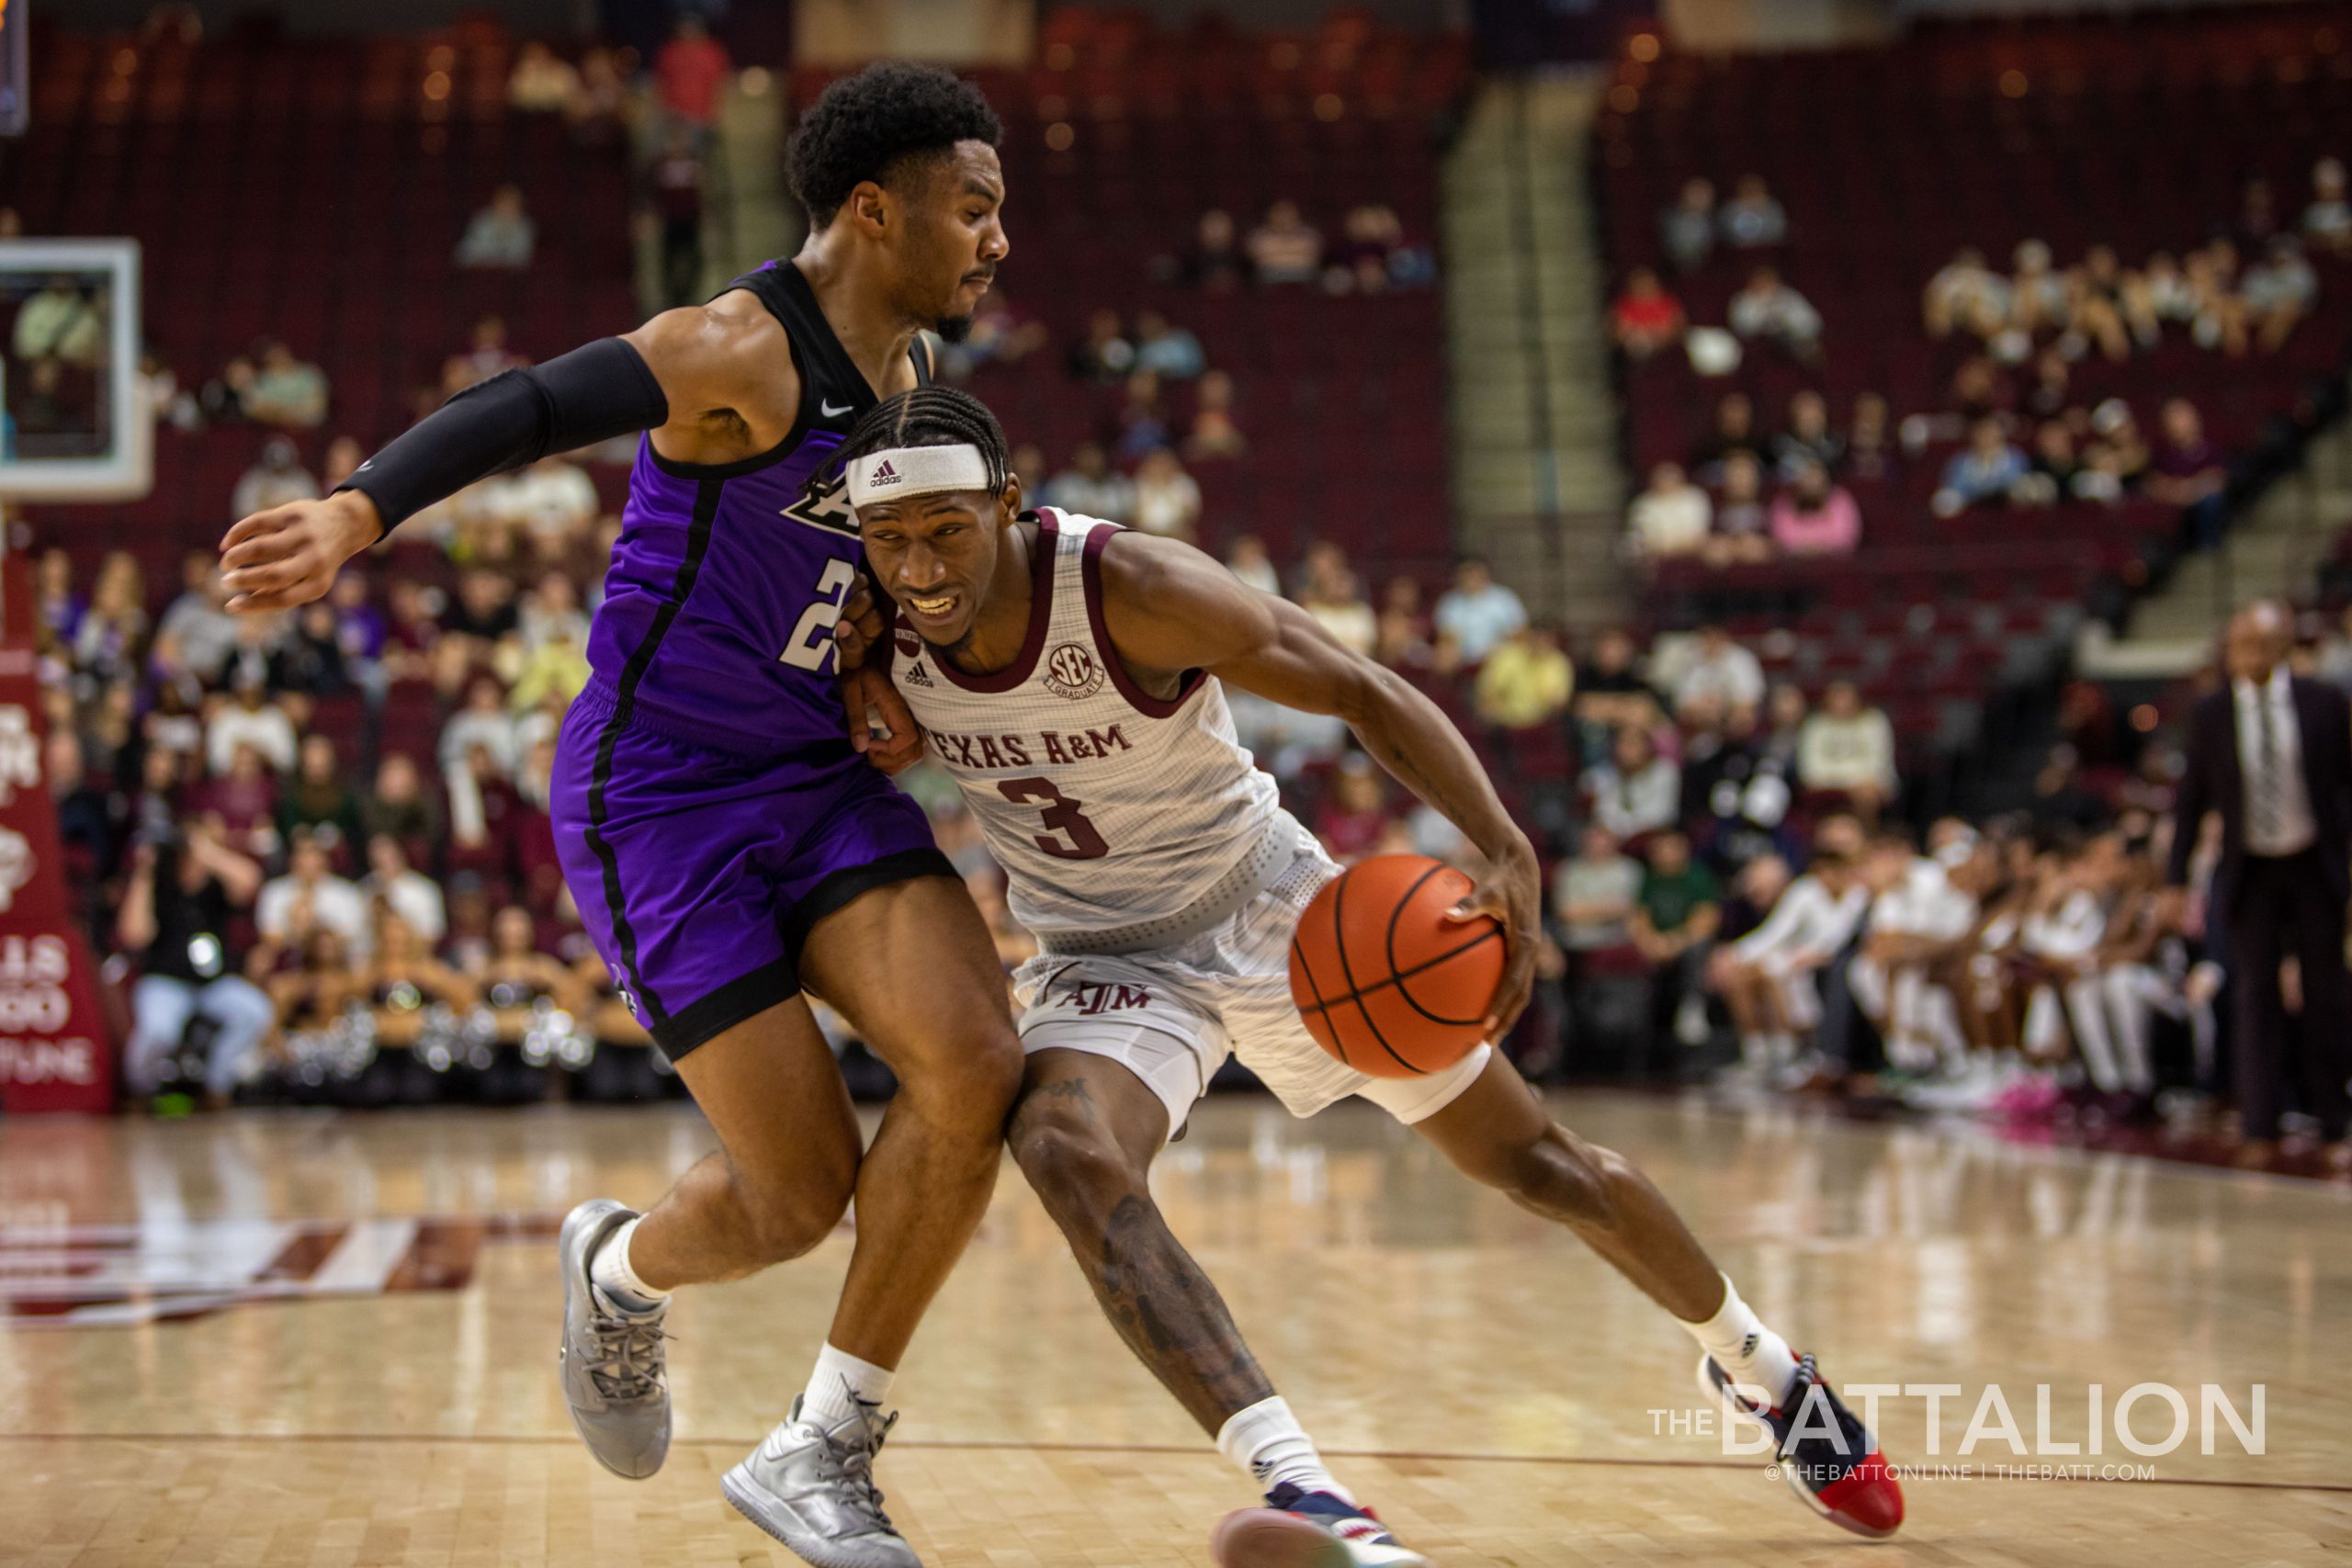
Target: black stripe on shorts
(747, 996)
(707, 495)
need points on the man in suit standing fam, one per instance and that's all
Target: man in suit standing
(2273, 756)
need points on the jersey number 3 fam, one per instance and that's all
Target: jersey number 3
(811, 647)
(1062, 815)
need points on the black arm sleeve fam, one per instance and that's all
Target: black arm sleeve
(516, 417)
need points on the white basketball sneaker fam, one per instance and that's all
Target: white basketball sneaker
(812, 1488)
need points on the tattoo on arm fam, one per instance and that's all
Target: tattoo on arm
(1400, 762)
(1450, 803)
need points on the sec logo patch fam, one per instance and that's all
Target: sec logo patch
(1072, 672)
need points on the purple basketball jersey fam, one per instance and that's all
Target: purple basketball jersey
(717, 620)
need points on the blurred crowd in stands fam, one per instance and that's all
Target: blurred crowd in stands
(1174, 409)
(1371, 256)
(305, 837)
(1738, 896)
(2029, 438)
(2026, 967)
(1731, 861)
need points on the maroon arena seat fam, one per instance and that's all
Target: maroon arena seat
(2078, 132)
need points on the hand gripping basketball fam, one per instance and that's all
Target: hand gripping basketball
(1512, 893)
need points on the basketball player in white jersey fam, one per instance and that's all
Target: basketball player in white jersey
(1069, 675)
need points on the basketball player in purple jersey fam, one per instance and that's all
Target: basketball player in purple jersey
(724, 840)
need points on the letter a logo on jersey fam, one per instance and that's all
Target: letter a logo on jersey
(823, 503)
(1072, 672)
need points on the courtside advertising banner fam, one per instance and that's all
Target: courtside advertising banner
(55, 1054)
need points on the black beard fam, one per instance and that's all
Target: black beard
(953, 329)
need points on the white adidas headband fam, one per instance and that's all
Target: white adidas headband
(916, 471)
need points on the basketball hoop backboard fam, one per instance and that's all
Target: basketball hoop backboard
(72, 423)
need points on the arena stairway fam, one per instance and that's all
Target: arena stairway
(748, 217)
(1537, 481)
(1888, 159)
(2277, 549)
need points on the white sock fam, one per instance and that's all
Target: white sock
(609, 1269)
(840, 1385)
(1742, 1345)
(1271, 1448)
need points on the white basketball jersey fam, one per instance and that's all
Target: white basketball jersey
(1108, 807)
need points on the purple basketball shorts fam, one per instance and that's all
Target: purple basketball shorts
(699, 873)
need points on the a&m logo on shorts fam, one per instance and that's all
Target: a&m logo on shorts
(1071, 672)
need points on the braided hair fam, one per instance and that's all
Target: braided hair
(930, 416)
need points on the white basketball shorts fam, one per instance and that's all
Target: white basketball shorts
(1171, 1015)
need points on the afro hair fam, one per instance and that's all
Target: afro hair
(864, 127)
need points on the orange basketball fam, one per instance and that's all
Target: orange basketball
(1384, 981)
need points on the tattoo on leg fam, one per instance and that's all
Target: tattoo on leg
(1065, 1091)
(1038, 1109)
(1172, 1318)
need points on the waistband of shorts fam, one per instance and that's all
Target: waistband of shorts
(1256, 871)
(603, 701)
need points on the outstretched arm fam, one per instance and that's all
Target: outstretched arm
(715, 382)
(1168, 608)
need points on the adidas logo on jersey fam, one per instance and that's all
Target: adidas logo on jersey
(915, 675)
(885, 475)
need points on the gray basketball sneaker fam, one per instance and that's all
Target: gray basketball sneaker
(614, 1375)
(813, 1490)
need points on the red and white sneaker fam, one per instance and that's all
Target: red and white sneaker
(1308, 1529)
(1825, 1453)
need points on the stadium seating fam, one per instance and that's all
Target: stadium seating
(381, 149)
(1890, 160)
(377, 151)
(1121, 137)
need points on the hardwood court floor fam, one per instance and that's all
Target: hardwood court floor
(310, 1338)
